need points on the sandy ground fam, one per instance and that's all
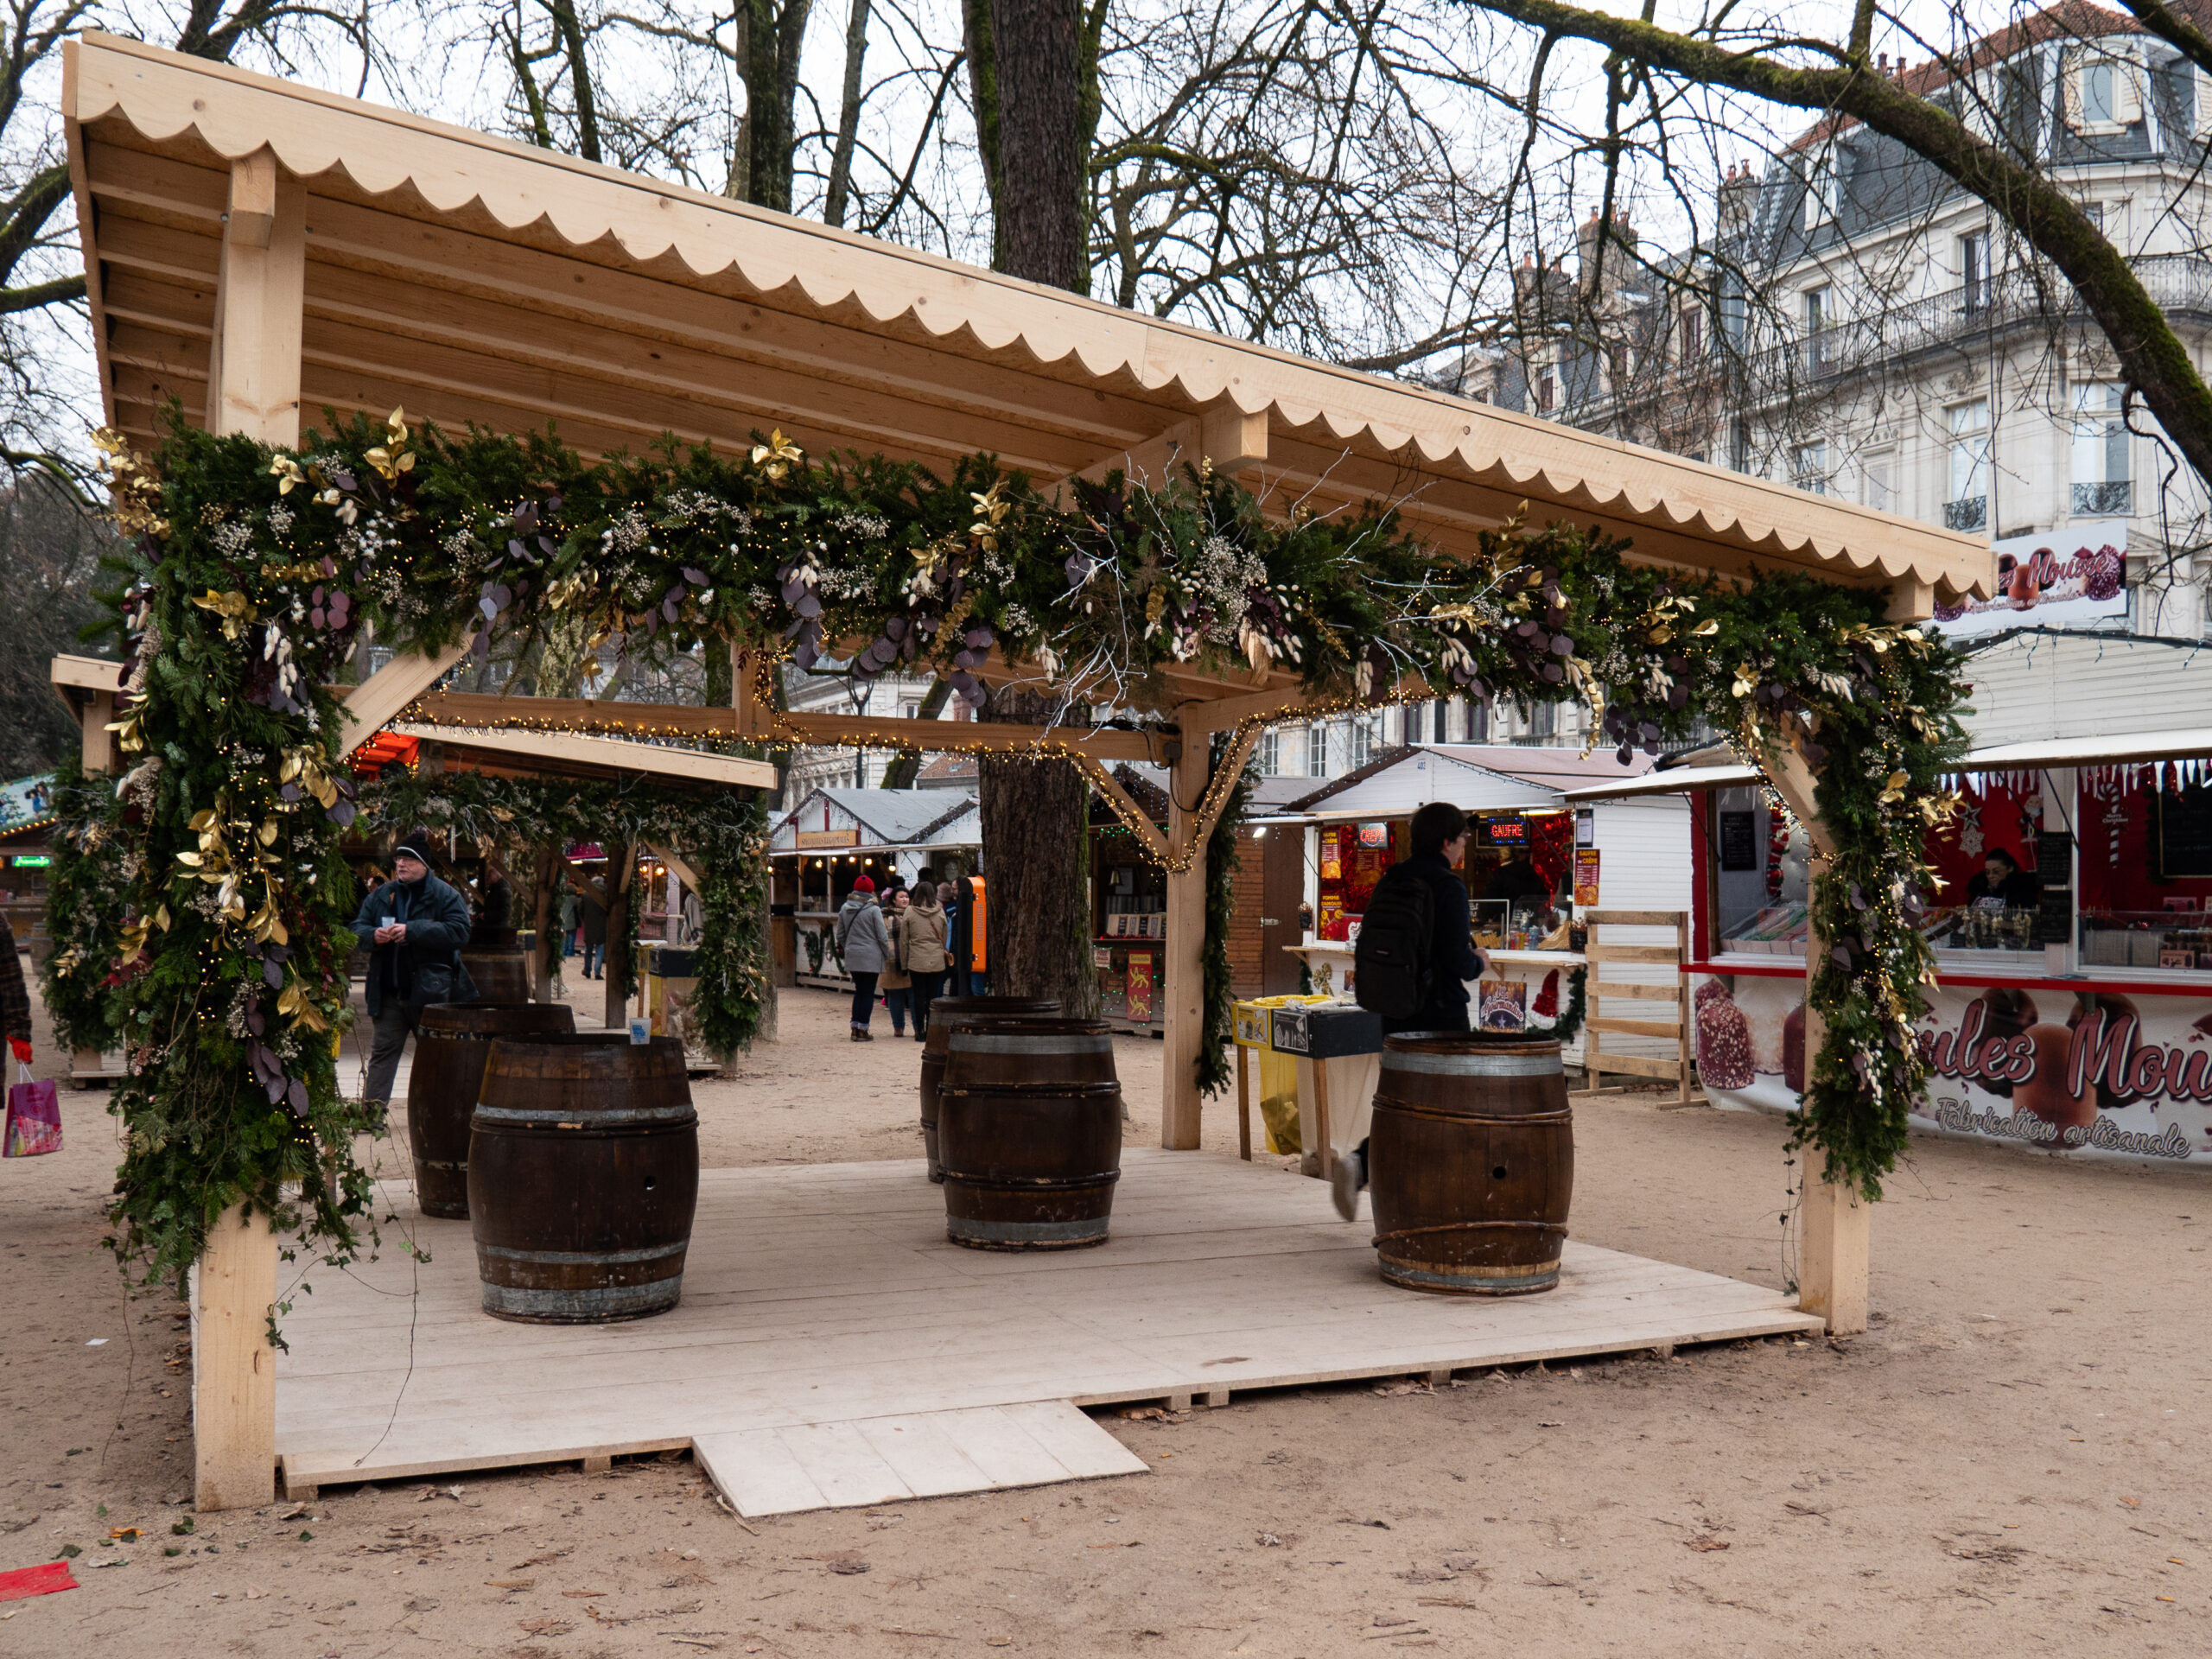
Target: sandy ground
(2013, 1459)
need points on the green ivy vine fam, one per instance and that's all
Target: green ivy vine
(253, 573)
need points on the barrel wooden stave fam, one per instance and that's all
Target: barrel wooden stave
(1471, 1164)
(943, 1011)
(500, 974)
(452, 1042)
(583, 1179)
(1029, 1126)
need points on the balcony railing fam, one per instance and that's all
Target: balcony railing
(2181, 284)
(2103, 500)
(1970, 514)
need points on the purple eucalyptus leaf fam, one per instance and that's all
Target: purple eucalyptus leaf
(296, 1094)
(548, 545)
(274, 974)
(515, 549)
(346, 483)
(895, 628)
(525, 518)
(342, 813)
(256, 1021)
(490, 607)
(668, 609)
(329, 565)
(315, 617)
(276, 1087)
(290, 792)
(695, 576)
(808, 605)
(1842, 956)
(1554, 673)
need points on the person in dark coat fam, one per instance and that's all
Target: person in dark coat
(595, 932)
(1439, 838)
(15, 996)
(414, 926)
(1516, 882)
(2001, 879)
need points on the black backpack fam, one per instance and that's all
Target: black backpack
(1391, 960)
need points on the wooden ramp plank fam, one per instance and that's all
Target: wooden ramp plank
(916, 1454)
(756, 1471)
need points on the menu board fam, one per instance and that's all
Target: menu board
(1739, 847)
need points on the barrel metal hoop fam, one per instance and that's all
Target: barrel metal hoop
(1027, 1091)
(1032, 1183)
(1474, 1065)
(585, 1258)
(964, 1042)
(1396, 1234)
(1500, 1120)
(1091, 1229)
(570, 1120)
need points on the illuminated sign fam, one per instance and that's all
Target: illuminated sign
(31, 861)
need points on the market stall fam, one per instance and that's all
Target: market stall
(834, 837)
(1533, 864)
(2070, 908)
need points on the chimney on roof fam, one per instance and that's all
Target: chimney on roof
(1733, 213)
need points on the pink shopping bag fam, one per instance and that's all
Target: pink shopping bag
(34, 1117)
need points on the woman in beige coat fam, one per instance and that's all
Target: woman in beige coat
(921, 951)
(896, 983)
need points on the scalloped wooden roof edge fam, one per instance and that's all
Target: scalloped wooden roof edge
(192, 108)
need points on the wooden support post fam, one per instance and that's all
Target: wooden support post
(1186, 951)
(1833, 1246)
(1243, 1103)
(233, 1367)
(253, 388)
(97, 747)
(1834, 1224)
(253, 380)
(1324, 1136)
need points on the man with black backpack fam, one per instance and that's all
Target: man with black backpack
(1415, 952)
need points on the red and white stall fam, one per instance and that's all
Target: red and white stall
(2074, 1007)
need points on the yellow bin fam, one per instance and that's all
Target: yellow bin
(1277, 1072)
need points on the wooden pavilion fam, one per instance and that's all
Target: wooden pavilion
(260, 252)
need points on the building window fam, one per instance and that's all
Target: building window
(1316, 750)
(1477, 727)
(909, 709)
(1967, 506)
(1364, 734)
(1809, 466)
(1547, 389)
(1271, 754)
(1820, 192)
(1876, 471)
(1693, 336)
(1820, 320)
(1974, 270)
(2101, 473)
(2102, 93)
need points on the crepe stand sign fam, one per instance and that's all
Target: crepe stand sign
(2083, 1074)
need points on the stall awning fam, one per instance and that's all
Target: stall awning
(470, 278)
(2185, 745)
(2115, 749)
(1680, 780)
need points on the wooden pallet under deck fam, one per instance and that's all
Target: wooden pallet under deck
(833, 1347)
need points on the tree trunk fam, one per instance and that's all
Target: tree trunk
(621, 868)
(1038, 48)
(545, 874)
(1037, 868)
(849, 117)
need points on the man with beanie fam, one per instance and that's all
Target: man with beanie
(414, 926)
(864, 945)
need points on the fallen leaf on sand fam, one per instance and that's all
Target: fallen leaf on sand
(1543, 1424)
(580, 1595)
(2133, 1503)
(1705, 1541)
(547, 1626)
(509, 1584)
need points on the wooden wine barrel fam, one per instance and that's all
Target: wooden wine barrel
(451, 1045)
(1029, 1125)
(583, 1173)
(940, 1032)
(1471, 1163)
(499, 964)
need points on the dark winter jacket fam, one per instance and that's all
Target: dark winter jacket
(422, 968)
(1453, 958)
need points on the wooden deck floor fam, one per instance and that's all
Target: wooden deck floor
(826, 1296)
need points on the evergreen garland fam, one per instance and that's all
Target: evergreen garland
(1224, 852)
(253, 570)
(88, 892)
